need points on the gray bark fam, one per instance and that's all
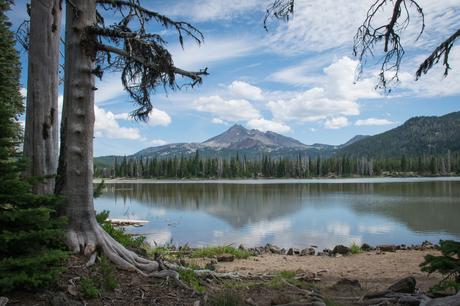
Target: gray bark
(75, 172)
(41, 130)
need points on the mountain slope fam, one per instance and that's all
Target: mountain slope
(417, 136)
(239, 140)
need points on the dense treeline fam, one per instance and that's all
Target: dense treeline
(300, 167)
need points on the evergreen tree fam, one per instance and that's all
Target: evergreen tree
(29, 235)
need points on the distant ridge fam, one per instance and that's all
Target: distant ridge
(418, 135)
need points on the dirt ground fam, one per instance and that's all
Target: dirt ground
(374, 271)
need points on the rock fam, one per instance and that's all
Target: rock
(273, 249)
(250, 301)
(241, 247)
(225, 258)
(405, 285)
(61, 299)
(349, 283)
(453, 300)
(197, 303)
(387, 248)
(427, 245)
(366, 248)
(308, 251)
(290, 252)
(327, 252)
(340, 249)
(3, 300)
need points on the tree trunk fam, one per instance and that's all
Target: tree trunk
(41, 131)
(75, 172)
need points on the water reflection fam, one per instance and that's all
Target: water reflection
(290, 214)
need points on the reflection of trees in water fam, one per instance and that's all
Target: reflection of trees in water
(423, 206)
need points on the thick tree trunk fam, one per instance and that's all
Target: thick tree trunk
(75, 173)
(41, 131)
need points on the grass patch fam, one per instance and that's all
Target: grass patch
(355, 248)
(330, 302)
(189, 277)
(226, 297)
(212, 251)
(109, 281)
(282, 277)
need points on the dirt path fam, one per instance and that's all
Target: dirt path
(374, 271)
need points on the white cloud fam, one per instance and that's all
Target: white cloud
(226, 110)
(433, 84)
(158, 142)
(158, 117)
(206, 10)
(218, 121)
(335, 95)
(109, 88)
(336, 123)
(23, 92)
(316, 27)
(107, 126)
(268, 125)
(213, 50)
(373, 121)
(246, 90)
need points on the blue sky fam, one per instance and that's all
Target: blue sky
(297, 79)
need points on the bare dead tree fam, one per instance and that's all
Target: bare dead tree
(145, 64)
(42, 39)
(369, 35)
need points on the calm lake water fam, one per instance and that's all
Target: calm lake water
(290, 213)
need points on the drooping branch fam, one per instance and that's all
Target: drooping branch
(442, 51)
(143, 15)
(144, 67)
(280, 9)
(368, 36)
(142, 57)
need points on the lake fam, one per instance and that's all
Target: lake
(289, 213)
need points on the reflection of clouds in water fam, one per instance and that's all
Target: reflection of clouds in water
(375, 229)
(281, 232)
(160, 238)
(339, 228)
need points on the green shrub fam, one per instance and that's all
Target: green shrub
(447, 264)
(119, 233)
(355, 248)
(109, 281)
(88, 288)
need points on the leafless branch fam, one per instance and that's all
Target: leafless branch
(368, 36)
(280, 9)
(442, 51)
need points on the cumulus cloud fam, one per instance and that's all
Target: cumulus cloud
(218, 121)
(227, 110)
(268, 125)
(373, 121)
(335, 95)
(106, 125)
(158, 142)
(336, 123)
(156, 117)
(246, 90)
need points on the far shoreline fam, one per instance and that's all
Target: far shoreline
(261, 181)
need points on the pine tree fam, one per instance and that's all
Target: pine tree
(29, 234)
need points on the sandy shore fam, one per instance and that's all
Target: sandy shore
(374, 271)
